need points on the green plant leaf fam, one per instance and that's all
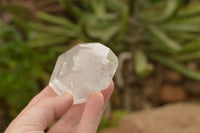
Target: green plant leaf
(57, 20)
(117, 5)
(189, 14)
(123, 25)
(181, 28)
(171, 9)
(102, 31)
(175, 66)
(98, 7)
(182, 37)
(142, 67)
(54, 30)
(187, 56)
(42, 40)
(73, 10)
(192, 46)
(163, 39)
(140, 62)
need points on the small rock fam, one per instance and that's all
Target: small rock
(192, 66)
(171, 93)
(172, 76)
(174, 118)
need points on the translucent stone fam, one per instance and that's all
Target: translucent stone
(84, 69)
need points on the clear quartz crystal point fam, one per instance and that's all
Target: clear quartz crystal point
(84, 69)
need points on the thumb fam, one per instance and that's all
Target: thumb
(41, 114)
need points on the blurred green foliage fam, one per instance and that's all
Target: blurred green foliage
(87, 20)
(154, 31)
(117, 115)
(23, 71)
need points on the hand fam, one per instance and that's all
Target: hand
(46, 106)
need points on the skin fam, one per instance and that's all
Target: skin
(47, 106)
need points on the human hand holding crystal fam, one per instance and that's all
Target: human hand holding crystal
(47, 106)
(81, 71)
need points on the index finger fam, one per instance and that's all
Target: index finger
(46, 92)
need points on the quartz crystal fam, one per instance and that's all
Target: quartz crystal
(84, 69)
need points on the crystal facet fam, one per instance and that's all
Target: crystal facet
(84, 69)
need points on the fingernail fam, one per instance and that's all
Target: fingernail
(67, 94)
(96, 97)
(97, 93)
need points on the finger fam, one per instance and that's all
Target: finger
(92, 114)
(71, 119)
(46, 92)
(49, 92)
(42, 114)
(107, 93)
